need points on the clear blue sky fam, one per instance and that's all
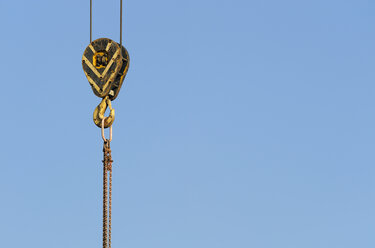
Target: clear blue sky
(242, 124)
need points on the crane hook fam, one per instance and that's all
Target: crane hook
(99, 113)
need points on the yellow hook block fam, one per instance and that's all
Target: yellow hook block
(99, 113)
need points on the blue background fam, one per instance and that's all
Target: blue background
(241, 124)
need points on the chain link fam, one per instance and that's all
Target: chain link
(110, 208)
(107, 196)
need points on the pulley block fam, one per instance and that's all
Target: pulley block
(102, 62)
(105, 63)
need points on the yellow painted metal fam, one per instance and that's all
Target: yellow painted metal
(100, 111)
(102, 62)
(96, 62)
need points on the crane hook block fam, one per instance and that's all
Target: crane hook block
(105, 66)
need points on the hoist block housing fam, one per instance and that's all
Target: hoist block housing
(101, 62)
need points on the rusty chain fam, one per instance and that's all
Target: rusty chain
(107, 196)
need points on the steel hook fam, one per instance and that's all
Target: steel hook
(99, 114)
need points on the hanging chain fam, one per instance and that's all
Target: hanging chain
(107, 196)
(110, 209)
